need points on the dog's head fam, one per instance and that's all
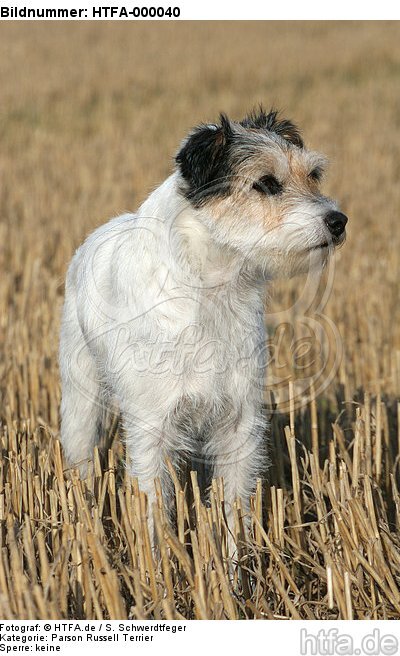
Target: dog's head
(257, 188)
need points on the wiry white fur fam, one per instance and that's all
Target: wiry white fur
(164, 315)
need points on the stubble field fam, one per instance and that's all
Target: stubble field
(90, 117)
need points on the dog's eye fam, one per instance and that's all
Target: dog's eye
(316, 174)
(268, 184)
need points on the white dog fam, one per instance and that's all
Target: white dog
(164, 309)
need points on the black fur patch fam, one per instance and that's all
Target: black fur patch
(206, 160)
(271, 122)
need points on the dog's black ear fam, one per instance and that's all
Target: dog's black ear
(203, 160)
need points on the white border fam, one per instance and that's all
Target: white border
(226, 9)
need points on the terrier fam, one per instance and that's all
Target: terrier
(164, 309)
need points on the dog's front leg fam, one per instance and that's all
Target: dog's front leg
(237, 449)
(150, 440)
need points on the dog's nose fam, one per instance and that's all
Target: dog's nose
(336, 222)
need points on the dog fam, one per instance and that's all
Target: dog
(164, 309)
